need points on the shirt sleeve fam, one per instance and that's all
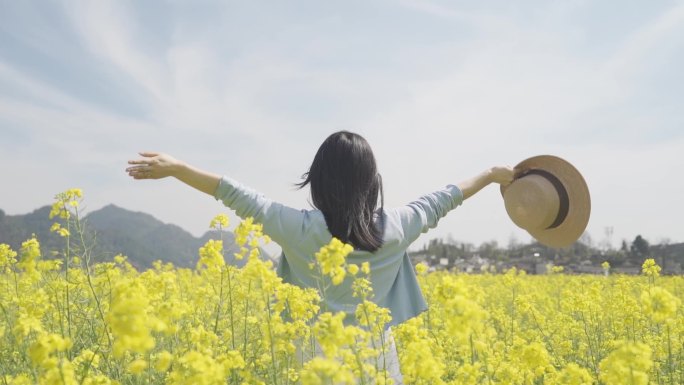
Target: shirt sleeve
(279, 221)
(423, 214)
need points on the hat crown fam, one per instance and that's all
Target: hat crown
(532, 202)
(549, 199)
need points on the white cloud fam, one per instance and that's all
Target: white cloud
(108, 29)
(500, 86)
(650, 41)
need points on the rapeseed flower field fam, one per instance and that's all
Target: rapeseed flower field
(64, 320)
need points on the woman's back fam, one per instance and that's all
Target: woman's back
(301, 233)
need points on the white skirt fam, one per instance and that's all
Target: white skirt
(391, 359)
(388, 360)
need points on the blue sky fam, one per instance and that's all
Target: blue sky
(441, 90)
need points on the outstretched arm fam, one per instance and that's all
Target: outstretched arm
(500, 175)
(423, 214)
(155, 165)
(280, 222)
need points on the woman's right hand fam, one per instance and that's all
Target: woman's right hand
(502, 175)
(153, 165)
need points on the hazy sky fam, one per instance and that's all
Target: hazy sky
(441, 90)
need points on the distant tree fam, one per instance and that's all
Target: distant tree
(661, 252)
(586, 239)
(575, 253)
(639, 249)
(624, 248)
(614, 257)
(467, 248)
(491, 250)
(513, 243)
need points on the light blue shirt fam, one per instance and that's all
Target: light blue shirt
(301, 233)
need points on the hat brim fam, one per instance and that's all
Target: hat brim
(579, 208)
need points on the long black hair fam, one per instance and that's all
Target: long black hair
(345, 186)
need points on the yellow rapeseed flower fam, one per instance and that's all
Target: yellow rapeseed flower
(137, 366)
(320, 371)
(219, 222)
(62, 373)
(163, 361)
(628, 364)
(418, 364)
(365, 268)
(331, 259)
(247, 230)
(45, 345)
(61, 231)
(21, 379)
(573, 374)
(232, 360)
(88, 359)
(650, 268)
(535, 358)
(65, 201)
(332, 334)
(30, 252)
(195, 368)
(128, 318)
(7, 256)
(211, 255)
(659, 304)
(27, 324)
(373, 316)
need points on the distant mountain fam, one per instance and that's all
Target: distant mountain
(141, 237)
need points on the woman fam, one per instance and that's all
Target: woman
(345, 190)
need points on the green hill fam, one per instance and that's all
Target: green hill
(141, 237)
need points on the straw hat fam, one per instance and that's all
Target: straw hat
(549, 199)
